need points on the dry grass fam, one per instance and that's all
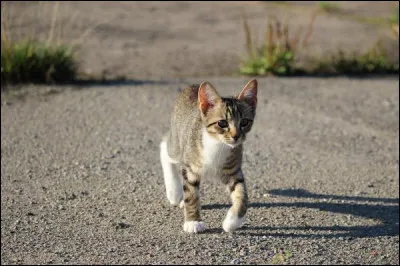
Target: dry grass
(34, 57)
(375, 61)
(278, 54)
(30, 60)
(394, 20)
(329, 7)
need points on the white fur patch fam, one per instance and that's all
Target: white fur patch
(194, 227)
(182, 204)
(215, 153)
(231, 222)
(172, 181)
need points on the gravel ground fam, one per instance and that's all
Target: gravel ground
(81, 181)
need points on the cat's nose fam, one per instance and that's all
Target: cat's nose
(236, 137)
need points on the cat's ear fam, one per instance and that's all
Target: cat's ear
(208, 96)
(249, 93)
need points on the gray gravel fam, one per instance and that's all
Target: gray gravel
(81, 181)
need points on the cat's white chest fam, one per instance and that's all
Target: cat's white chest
(215, 154)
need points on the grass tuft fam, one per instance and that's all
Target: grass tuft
(394, 22)
(281, 257)
(329, 7)
(375, 61)
(31, 60)
(394, 18)
(278, 54)
(35, 62)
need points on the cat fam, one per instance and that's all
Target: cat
(206, 137)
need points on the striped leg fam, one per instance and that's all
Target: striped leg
(236, 214)
(191, 197)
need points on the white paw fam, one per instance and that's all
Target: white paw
(182, 204)
(231, 222)
(194, 227)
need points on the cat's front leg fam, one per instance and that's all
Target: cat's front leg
(191, 197)
(238, 193)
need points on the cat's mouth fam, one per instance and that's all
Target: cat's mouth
(234, 143)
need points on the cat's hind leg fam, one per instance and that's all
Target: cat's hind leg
(172, 181)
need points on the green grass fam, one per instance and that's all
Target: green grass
(278, 62)
(281, 257)
(277, 55)
(394, 18)
(34, 62)
(375, 61)
(30, 60)
(329, 7)
(273, 57)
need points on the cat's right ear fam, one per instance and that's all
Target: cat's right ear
(249, 93)
(208, 97)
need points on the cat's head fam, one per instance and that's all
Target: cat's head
(228, 119)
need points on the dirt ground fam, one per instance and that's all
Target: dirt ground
(81, 180)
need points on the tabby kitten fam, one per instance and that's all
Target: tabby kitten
(206, 137)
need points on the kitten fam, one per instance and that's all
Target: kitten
(206, 137)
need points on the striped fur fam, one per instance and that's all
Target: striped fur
(206, 140)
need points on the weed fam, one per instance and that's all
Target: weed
(375, 61)
(394, 21)
(30, 61)
(277, 55)
(329, 7)
(35, 59)
(281, 257)
(394, 18)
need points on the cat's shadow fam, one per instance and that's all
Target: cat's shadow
(384, 212)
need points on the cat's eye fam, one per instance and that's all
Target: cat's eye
(244, 122)
(223, 123)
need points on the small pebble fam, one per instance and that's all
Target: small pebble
(235, 261)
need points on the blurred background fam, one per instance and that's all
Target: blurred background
(157, 40)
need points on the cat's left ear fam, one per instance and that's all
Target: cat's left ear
(249, 93)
